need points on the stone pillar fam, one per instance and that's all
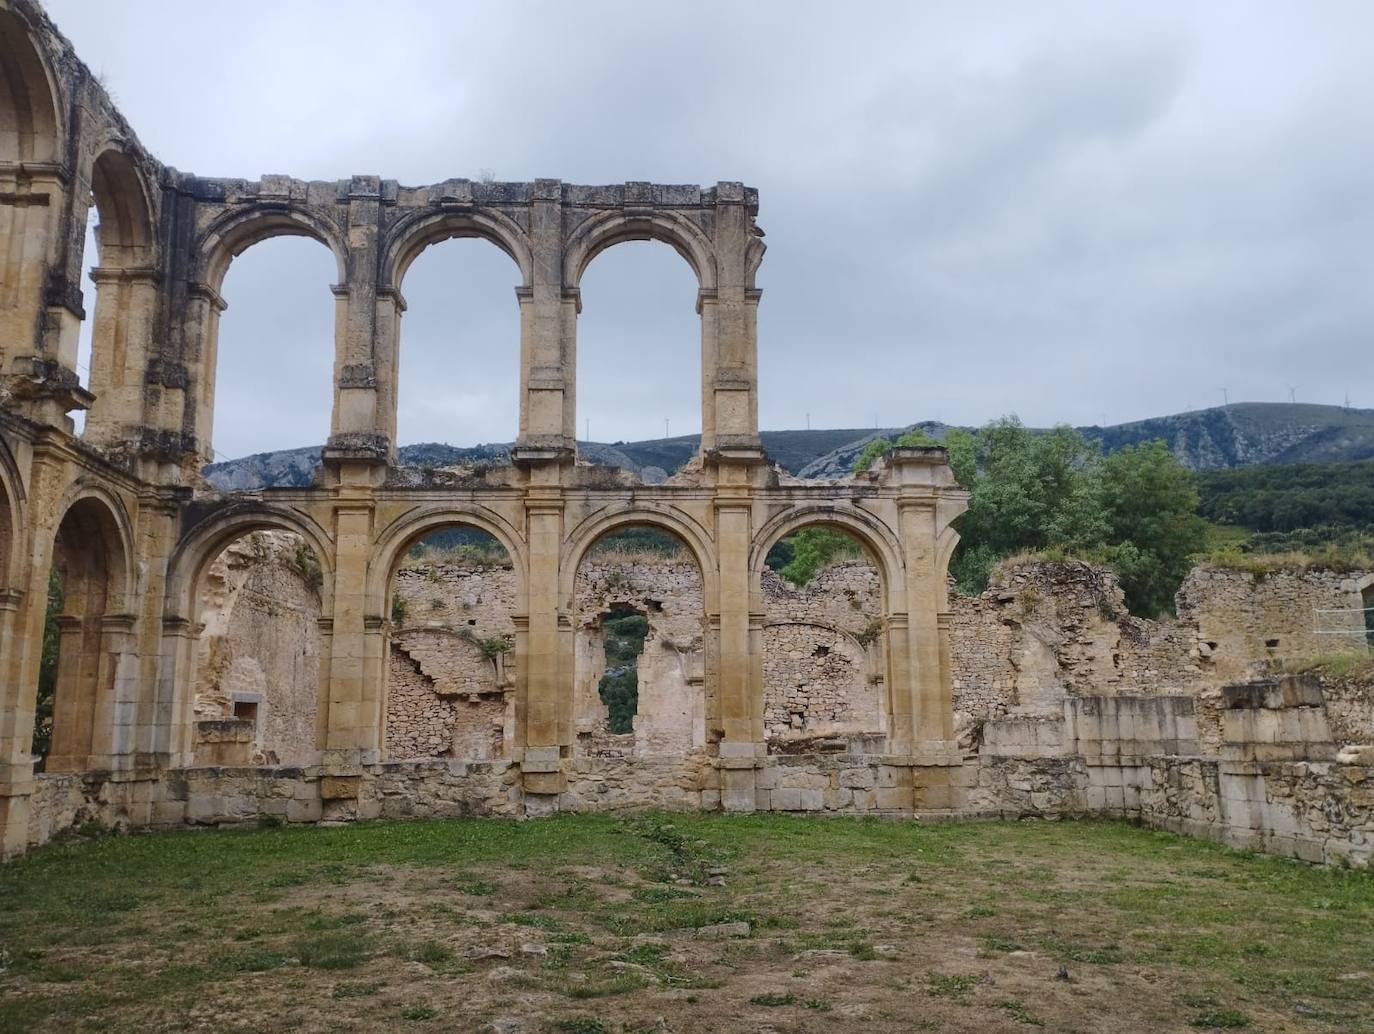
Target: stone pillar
(354, 722)
(201, 328)
(729, 417)
(366, 336)
(156, 533)
(737, 631)
(548, 332)
(545, 693)
(16, 770)
(125, 314)
(923, 704)
(42, 229)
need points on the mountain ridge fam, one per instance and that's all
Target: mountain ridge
(1217, 438)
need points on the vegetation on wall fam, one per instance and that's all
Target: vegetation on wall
(882, 446)
(1134, 510)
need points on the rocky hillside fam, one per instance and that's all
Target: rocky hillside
(1222, 438)
(1225, 437)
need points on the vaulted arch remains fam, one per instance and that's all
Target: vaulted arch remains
(452, 664)
(117, 339)
(86, 663)
(825, 639)
(270, 364)
(639, 643)
(29, 126)
(454, 352)
(30, 135)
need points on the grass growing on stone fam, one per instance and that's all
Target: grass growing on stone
(597, 923)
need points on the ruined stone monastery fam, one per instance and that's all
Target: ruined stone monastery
(226, 656)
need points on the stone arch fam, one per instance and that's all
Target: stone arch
(403, 532)
(200, 546)
(412, 236)
(443, 693)
(196, 643)
(92, 553)
(30, 124)
(612, 228)
(397, 362)
(238, 230)
(636, 639)
(586, 534)
(126, 280)
(825, 655)
(874, 535)
(127, 236)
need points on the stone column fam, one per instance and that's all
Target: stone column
(16, 770)
(545, 687)
(740, 683)
(354, 721)
(548, 329)
(155, 530)
(125, 311)
(729, 328)
(366, 336)
(201, 328)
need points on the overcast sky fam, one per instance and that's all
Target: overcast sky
(1077, 212)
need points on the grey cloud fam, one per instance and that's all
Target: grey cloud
(1070, 210)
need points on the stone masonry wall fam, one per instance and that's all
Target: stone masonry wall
(260, 645)
(671, 714)
(823, 657)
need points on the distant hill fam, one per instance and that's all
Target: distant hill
(1222, 438)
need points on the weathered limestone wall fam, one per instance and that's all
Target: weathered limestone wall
(671, 716)
(823, 659)
(261, 611)
(1045, 632)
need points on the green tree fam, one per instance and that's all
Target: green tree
(813, 549)
(1135, 510)
(1150, 503)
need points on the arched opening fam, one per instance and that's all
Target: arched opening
(639, 363)
(451, 660)
(459, 364)
(273, 381)
(113, 353)
(639, 630)
(257, 665)
(824, 644)
(28, 141)
(85, 642)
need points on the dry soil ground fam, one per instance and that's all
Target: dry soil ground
(597, 924)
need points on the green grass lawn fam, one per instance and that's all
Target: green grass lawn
(591, 923)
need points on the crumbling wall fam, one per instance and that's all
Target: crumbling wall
(671, 715)
(823, 669)
(259, 649)
(1047, 631)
